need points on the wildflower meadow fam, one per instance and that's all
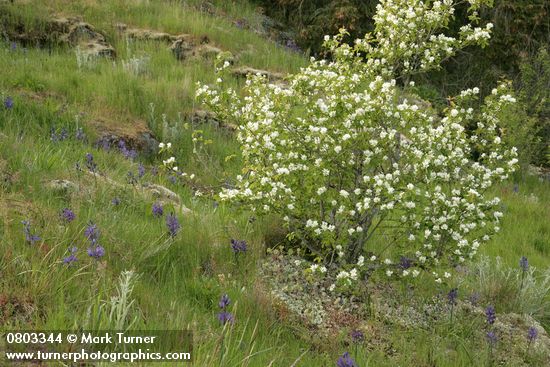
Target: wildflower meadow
(276, 196)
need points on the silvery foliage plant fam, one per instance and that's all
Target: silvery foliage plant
(364, 175)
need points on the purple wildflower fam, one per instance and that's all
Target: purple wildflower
(491, 338)
(92, 233)
(225, 317)
(291, 44)
(357, 336)
(532, 334)
(158, 210)
(13, 46)
(405, 262)
(53, 135)
(8, 103)
(115, 201)
(173, 224)
(96, 251)
(127, 153)
(90, 164)
(69, 260)
(516, 187)
(491, 315)
(68, 215)
(29, 236)
(63, 134)
(173, 179)
(141, 170)
(238, 246)
(80, 135)
(346, 361)
(452, 296)
(224, 302)
(524, 264)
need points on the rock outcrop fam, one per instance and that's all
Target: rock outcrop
(244, 71)
(135, 134)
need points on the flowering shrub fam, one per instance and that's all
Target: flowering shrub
(361, 174)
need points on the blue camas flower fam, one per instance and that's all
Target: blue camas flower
(90, 164)
(8, 103)
(173, 224)
(491, 338)
(157, 209)
(127, 153)
(532, 334)
(92, 233)
(115, 201)
(490, 314)
(96, 251)
(80, 135)
(346, 361)
(452, 296)
(224, 316)
(69, 260)
(141, 170)
(68, 215)
(524, 264)
(357, 336)
(238, 246)
(30, 237)
(224, 302)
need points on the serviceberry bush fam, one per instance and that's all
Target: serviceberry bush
(356, 166)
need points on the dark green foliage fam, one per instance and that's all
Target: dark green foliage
(534, 87)
(313, 19)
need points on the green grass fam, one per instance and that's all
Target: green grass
(180, 280)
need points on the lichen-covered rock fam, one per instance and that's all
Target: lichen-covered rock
(145, 34)
(76, 33)
(244, 71)
(62, 185)
(135, 134)
(199, 117)
(182, 48)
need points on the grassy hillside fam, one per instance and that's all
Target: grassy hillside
(47, 93)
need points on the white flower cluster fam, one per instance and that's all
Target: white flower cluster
(170, 163)
(354, 168)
